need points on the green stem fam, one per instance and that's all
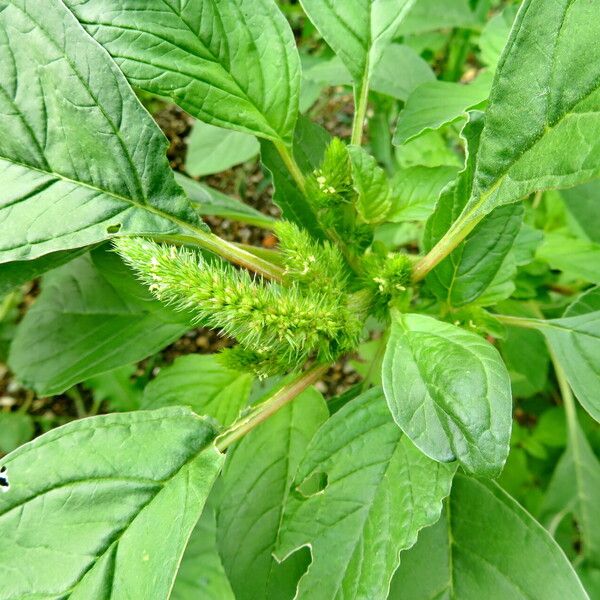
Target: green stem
(7, 304)
(229, 251)
(521, 322)
(358, 124)
(269, 407)
(451, 240)
(567, 395)
(291, 165)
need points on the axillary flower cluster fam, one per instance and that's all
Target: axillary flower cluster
(316, 312)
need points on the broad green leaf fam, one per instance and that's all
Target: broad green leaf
(16, 428)
(257, 477)
(542, 126)
(231, 63)
(202, 383)
(208, 201)
(310, 142)
(449, 391)
(358, 31)
(117, 389)
(14, 274)
(426, 16)
(371, 184)
(575, 489)
(582, 203)
(104, 507)
(394, 59)
(201, 575)
(438, 103)
(80, 158)
(575, 339)
(416, 191)
(360, 496)
(91, 317)
(495, 35)
(486, 546)
(428, 150)
(212, 149)
(577, 258)
(465, 274)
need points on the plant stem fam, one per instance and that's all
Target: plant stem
(229, 251)
(453, 237)
(291, 165)
(269, 407)
(567, 395)
(521, 322)
(360, 112)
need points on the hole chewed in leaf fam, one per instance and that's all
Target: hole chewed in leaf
(4, 485)
(312, 485)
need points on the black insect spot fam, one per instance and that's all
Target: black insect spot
(4, 485)
(114, 228)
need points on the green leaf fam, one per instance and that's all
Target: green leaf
(485, 546)
(201, 575)
(212, 149)
(133, 497)
(465, 274)
(575, 339)
(16, 428)
(575, 489)
(542, 124)
(361, 494)
(577, 258)
(449, 391)
(394, 59)
(495, 35)
(310, 142)
(416, 191)
(438, 103)
(426, 16)
(208, 201)
(358, 31)
(91, 317)
(80, 158)
(371, 184)
(428, 150)
(256, 481)
(202, 383)
(116, 388)
(14, 274)
(582, 203)
(231, 63)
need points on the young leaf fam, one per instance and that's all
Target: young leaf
(358, 31)
(80, 158)
(361, 494)
(372, 186)
(190, 52)
(256, 481)
(415, 191)
(133, 497)
(212, 149)
(426, 16)
(495, 35)
(201, 575)
(449, 391)
(117, 389)
(203, 384)
(84, 324)
(438, 103)
(465, 274)
(16, 428)
(575, 489)
(485, 546)
(542, 125)
(310, 142)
